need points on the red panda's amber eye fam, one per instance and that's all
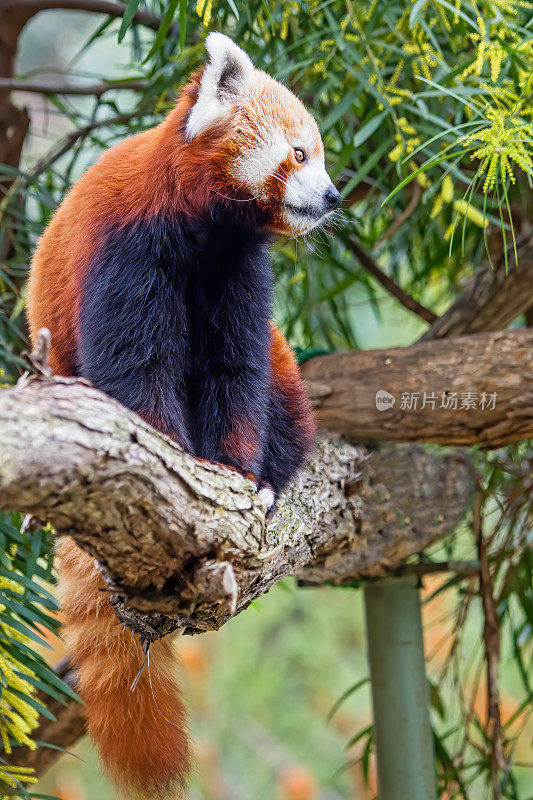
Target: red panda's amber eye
(299, 155)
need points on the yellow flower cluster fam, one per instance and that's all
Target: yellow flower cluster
(204, 9)
(503, 140)
(18, 718)
(13, 776)
(469, 211)
(444, 196)
(289, 9)
(461, 207)
(406, 139)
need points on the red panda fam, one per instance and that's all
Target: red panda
(154, 279)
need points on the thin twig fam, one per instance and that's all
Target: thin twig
(409, 302)
(491, 638)
(406, 213)
(64, 145)
(96, 89)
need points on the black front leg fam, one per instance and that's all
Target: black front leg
(229, 416)
(228, 304)
(133, 328)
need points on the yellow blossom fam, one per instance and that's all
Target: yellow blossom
(396, 152)
(471, 213)
(446, 190)
(502, 141)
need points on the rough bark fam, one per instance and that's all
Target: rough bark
(188, 539)
(343, 387)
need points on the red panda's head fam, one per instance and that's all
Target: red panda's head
(259, 139)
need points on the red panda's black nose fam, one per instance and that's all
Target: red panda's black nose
(332, 198)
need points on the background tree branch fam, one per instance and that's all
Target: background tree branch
(493, 298)
(96, 89)
(370, 266)
(451, 373)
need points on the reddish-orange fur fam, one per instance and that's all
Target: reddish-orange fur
(286, 375)
(141, 750)
(242, 441)
(119, 188)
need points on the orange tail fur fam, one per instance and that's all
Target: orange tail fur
(143, 753)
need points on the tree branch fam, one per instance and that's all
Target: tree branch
(493, 298)
(96, 89)
(397, 223)
(463, 391)
(370, 266)
(16, 13)
(186, 542)
(65, 144)
(491, 640)
(188, 539)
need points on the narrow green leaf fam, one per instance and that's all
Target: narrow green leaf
(344, 696)
(183, 23)
(369, 164)
(24, 629)
(163, 29)
(416, 11)
(366, 131)
(32, 701)
(127, 19)
(340, 109)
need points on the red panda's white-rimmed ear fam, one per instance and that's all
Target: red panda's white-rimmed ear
(227, 75)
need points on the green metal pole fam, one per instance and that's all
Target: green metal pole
(404, 743)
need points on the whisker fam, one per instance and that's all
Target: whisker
(235, 199)
(155, 701)
(138, 676)
(280, 179)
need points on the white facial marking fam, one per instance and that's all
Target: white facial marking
(306, 186)
(227, 75)
(256, 165)
(304, 195)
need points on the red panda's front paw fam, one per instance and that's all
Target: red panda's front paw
(267, 496)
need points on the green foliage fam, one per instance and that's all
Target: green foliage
(27, 609)
(463, 746)
(403, 91)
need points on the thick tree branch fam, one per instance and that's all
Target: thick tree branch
(186, 542)
(187, 538)
(14, 14)
(465, 391)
